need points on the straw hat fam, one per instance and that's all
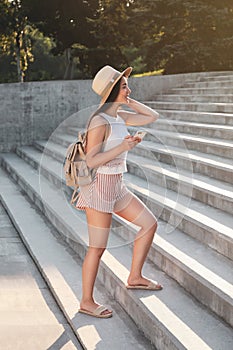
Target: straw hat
(106, 79)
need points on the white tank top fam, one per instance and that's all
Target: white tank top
(118, 131)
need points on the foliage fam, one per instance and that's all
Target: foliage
(73, 38)
(183, 36)
(15, 35)
(45, 65)
(67, 22)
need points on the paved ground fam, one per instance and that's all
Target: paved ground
(30, 318)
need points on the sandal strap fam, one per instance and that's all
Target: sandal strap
(98, 311)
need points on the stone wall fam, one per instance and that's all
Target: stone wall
(31, 111)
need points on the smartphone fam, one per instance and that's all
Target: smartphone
(140, 134)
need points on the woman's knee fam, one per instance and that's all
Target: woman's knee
(98, 252)
(150, 224)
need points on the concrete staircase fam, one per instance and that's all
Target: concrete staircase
(184, 172)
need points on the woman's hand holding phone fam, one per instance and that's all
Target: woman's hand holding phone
(140, 134)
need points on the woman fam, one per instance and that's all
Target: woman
(108, 142)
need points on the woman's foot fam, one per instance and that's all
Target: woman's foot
(93, 309)
(143, 283)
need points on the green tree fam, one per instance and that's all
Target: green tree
(45, 65)
(170, 35)
(113, 34)
(183, 36)
(15, 35)
(68, 23)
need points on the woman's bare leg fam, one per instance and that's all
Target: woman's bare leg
(133, 210)
(98, 228)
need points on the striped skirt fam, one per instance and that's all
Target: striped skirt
(103, 194)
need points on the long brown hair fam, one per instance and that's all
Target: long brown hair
(110, 100)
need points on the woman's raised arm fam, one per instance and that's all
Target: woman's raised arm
(143, 114)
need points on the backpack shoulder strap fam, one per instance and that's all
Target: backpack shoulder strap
(107, 130)
(108, 127)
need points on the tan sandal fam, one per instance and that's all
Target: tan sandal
(97, 312)
(150, 286)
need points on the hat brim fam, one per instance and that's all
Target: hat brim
(126, 73)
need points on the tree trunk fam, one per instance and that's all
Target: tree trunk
(69, 65)
(19, 71)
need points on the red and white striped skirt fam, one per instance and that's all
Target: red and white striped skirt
(105, 191)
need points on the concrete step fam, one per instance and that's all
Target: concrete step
(211, 79)
(207, 191)
(227, 76)
(217, 131)
(201, 91)
(204, 145)
(206, 224)
(214, 166)
(197, 117)
(215, 195)
(205, 76)
(213, 228)
(30, 318)
(61, 269)
(202, 188)
(192, 106)
(58, 152)
(34, 158)
(218, 168)
(210, 83)
(185, 98)
(184, 259)
(194, 169)
(171, 319)
(198, 143)
(201, 144)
